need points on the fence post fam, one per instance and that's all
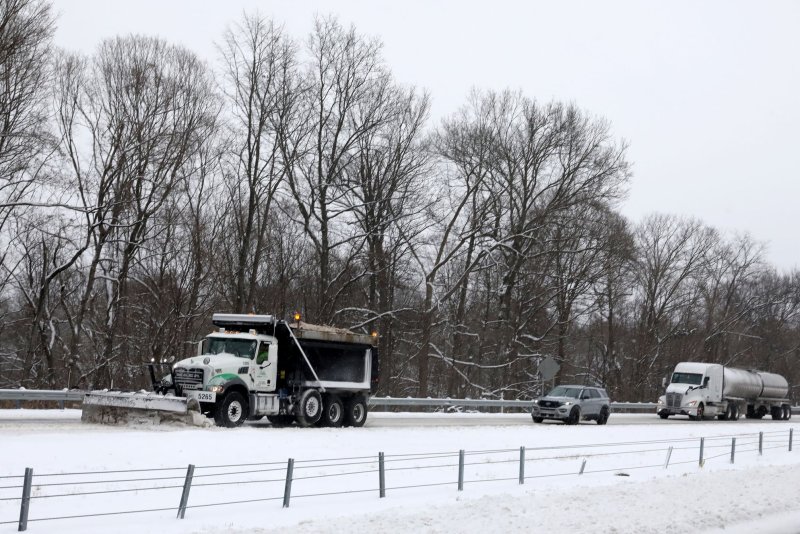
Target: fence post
(187, 485)
(702, 443)
(733, 449)
(26, 500)
(287, 490)
(461, 470)
(791, 431)
(760, 443)
(583, 466)
(669, 455)
(522, 465)
(381, 476)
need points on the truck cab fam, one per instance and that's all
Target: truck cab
(693, 387)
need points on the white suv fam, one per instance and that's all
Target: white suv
(573, 403)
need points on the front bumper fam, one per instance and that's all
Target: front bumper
(562, 412)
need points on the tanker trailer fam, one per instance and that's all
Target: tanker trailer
(702, 390)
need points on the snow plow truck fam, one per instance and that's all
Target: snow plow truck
(252, 366)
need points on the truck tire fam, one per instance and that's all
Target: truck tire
(355, 411)
(332, 411)
(232, 411)
(309, 408)
(787, 412)
(735, 416)
(700, 412)
(776, 412)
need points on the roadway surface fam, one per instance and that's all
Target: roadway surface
(27, 419)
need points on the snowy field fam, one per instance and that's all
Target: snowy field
(624, 486)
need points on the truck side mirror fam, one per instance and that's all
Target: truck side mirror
(663, 381)
(705, 381)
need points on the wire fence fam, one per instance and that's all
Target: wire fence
(32, 496)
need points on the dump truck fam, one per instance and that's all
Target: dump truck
(252, 366)
(702, 390)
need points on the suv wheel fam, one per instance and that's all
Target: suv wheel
(574, 416)
(603, 418)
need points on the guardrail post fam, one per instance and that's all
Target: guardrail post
(26, 500)
(702, 443)
(791, 431)
(187, 485)
(381, 475)
(733, 449)
(522, 465)
(287, 490)
(583, 466)
(461, 470)
(18, 404)
(669, 455)
(760, 443)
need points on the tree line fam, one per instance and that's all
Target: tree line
(143, 189)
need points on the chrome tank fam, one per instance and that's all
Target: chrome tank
(753, 384)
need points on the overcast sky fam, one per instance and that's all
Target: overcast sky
(705, 93)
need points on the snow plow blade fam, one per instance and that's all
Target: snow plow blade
(114, 408)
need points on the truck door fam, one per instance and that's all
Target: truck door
(265, 367)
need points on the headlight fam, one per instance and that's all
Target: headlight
(215, 389)
(567, 404)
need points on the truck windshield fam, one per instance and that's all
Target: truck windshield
(243, 348)
(687, 378)
(563, 391)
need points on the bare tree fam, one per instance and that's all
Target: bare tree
(145, 107)
(346, 100)
(262, 90)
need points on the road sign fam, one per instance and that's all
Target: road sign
(548, 368)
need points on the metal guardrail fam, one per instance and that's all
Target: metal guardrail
(77, 396)
(488, 403)
(42, 395)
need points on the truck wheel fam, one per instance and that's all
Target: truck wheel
(700, 412)
(735, 416)
(309, 408)
(232, 411)
(787, 412)
(355, 411)
(333, 411)
(574, 416)
(776, 412)
(603, 419)
(280, 420)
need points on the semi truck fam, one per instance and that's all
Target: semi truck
(254, 366)
(702, 390)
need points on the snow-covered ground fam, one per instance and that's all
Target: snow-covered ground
(624, 487)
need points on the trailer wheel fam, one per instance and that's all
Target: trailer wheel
(787, 412)
(333, 412)
(776, 412)
(735, 416)
(309, 408)
(232, 411)
(355, 411)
